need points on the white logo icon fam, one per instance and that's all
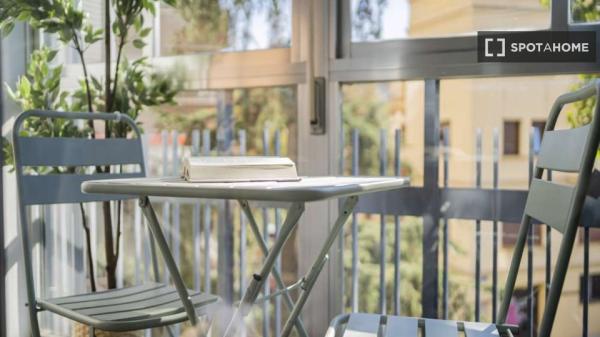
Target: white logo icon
(502, 52)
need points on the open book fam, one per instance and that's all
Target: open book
(236, 169)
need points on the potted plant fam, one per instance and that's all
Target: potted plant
(126, 86)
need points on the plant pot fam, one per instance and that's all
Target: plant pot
(81, 330)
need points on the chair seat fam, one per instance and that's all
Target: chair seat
(140, 307)
(373, 325)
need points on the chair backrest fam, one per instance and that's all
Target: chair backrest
(60, 188)
(65, 187)
(557, 205)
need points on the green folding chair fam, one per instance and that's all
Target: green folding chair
(139, 307)
(559, 206)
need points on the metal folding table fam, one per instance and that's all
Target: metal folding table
(297, 193)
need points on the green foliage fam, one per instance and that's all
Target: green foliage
(212, 25)
(39, 88)
(581, 113)
(253, 110)
(410, 265)
(585, 10)
(581, 10)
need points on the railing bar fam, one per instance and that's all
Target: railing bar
(548, 249)
(243, 233)
(166, 204)
(586, 280)
(530, 246)
(207, 219)
(175, 219)
(496, 150)
(341, 239)
(355, 266)
(278, 261)
(478, 154)
(144, 233)
(445, 224)
(137, 226)
(195, 151)
(382, 235)
(265, 214)
(397, 233)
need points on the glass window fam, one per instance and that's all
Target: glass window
(193, 26)
(593, 288)
(386, 19)
(370, 109)
(510, 140)
(583, 11)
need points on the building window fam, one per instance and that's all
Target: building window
(510, 232)
(511, 138)
(593, 288)
(444, 130)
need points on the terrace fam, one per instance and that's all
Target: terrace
(343, 87)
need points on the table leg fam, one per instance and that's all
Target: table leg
(311, 277)
(276, 273)
(156, 231)
(251, 293)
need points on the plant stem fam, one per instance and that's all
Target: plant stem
(111, 278)
(88, 243)
(86, 80)
(119, 53)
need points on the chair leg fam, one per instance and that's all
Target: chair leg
(35, 326)
(91, 331)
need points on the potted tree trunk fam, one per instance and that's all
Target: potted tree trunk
(125, 86)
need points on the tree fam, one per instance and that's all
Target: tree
(582, 11)
(127, 87)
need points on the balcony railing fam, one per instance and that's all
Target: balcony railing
(210, 242)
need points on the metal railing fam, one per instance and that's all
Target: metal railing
(461, 204)
(62, 267)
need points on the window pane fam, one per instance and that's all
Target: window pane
(194, 26)
(585, 11)
(393, 19)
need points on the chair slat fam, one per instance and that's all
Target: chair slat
(66, 188)
(362, 325)
(549, 203)
(477, 329)
(402, 327)
(128, 299)
(562, 150)
(440, 328)
(46, 151)
(156, 311)
(168, 298)
(146, 288)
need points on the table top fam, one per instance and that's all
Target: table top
(306, 189)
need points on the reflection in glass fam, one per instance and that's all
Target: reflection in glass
(374, 20)
(585, 11)
(193, 26)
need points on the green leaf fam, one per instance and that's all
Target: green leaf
(145, 32)
(24, 87)
(52, 54)
(7, 27)
(138, 43)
